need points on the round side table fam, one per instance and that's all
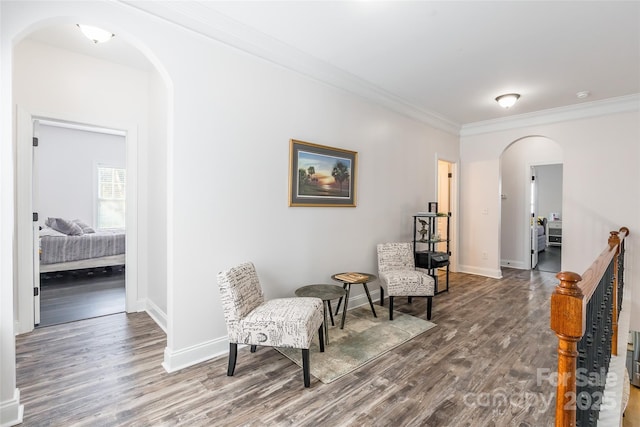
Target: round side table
(326, 293)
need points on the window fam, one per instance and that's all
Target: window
(111, 195)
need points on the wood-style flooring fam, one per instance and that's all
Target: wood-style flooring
(549, 260)
(81, 294)
(485, 364)
(632, 413)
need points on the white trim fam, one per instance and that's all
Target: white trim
(510, 263)
(208, 22)
(24, 208)
(11, 411)
(480, 271)
(78, 126)
(554, 115)
(189, 356)
(158, 316)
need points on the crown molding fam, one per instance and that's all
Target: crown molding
(202, 19)
(603, 107)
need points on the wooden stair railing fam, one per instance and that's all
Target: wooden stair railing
(584, 316)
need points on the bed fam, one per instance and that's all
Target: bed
(61, 249)
(542, 233)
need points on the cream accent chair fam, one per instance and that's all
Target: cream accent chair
(399, 277)
(281, 322)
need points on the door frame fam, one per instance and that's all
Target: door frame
(453, 200)
(25, 240)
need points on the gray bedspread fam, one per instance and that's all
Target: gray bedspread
(57, 247)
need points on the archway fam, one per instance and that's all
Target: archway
(103, 95)
(519, 231)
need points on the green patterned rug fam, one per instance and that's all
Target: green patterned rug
(363, 339)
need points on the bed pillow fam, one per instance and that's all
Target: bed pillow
(86, 229)
(64, 226)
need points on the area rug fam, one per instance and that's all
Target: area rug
(363, 339)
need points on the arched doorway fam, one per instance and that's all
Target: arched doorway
(520, 198)
(102, 90)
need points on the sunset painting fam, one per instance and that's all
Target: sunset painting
(324, 176)
(320, 175)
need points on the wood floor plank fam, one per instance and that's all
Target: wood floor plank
(478, 367)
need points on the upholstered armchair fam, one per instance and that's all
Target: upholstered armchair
(282, 322)
(399, 277)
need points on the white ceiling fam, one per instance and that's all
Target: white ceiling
(444, 59)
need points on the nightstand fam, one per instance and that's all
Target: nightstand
(554, 233)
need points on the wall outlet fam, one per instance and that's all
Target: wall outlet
(484, 255)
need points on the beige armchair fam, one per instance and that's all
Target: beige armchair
(398, 275)
(282, 322)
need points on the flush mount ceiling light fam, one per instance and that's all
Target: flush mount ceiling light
(95, 34)
(507, 100)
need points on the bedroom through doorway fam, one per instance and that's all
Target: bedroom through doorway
(79, 187)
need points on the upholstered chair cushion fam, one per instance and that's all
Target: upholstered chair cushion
(283, 322)
(407, 283)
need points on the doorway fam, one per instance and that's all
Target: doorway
(528, 195)
(548, 217)
(446, 196)
(80, 273)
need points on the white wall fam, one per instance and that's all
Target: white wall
(153, 202)
(601, 190)
(231, 117)
(65, 165)
(515, 164)
(549, 179)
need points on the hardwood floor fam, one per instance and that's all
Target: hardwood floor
(485, 364)
(632, 414)
(549, 260)
(81, 294)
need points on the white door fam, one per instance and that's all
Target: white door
(533, 220)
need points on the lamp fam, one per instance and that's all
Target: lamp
(95, 34)
(507, 100)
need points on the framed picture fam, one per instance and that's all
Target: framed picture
(433, 207)
(321, 175)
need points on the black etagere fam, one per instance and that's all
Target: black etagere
(426, 237)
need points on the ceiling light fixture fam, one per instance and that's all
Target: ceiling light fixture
(95, 34)
(507, 100)
(583, 94)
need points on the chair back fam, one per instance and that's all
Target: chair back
(240, 292)
(395, 256)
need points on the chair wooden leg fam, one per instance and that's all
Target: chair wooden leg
(381, 296)
(233, 353)
(254, 348)
(429, 305)
(305, 367)
(321, 338)
(390, 307)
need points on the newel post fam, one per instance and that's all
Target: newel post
(568, 319)
(614, 242)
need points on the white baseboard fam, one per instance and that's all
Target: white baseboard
(487, 272)
(514, 264)
(11, 411)
(180, 359)
(158, 316)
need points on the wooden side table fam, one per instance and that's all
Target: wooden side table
(348, 279)
(326, 293)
